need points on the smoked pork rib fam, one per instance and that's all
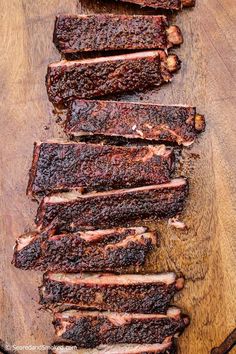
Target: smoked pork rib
(166, 347)
(60, 166)
(90, 329)
(163, 4)
(73, 211)
(97, 250)
(96, 77)
(86, 33)
(178, 124)
(109, 292)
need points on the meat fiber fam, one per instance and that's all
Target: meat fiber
(163, 4)
(96, 77)
(73, 211)
(167, 347)
(97, 250)
(90, 329)
(178, 124)
(148, 293)
(88, 33)
(60, 166)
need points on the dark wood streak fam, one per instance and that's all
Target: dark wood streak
(228, 344)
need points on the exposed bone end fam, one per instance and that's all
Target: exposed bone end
(174, 35)
(174, 312)
(188, 3)
(186, 320)
(200, 123)
(173, 63)
(179, 284)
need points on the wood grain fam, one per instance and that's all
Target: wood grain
(206, 253)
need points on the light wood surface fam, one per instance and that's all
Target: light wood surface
(206, 254)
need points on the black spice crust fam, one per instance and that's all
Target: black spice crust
(112, 209)
(132, 120)
(91, 331)
(139, 298)
(162, 4)
(71, 253)
(79, 33)
(88, 79)
(62, 166)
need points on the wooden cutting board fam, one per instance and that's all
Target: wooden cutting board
(206, 253)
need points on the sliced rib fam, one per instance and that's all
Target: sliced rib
(166, 347)
(163, 4)
(73, 211)
(89, 33)
(90, 329)
(178, 124)
(59, 166)
(119, 293)
(96, 77)
(100, 250)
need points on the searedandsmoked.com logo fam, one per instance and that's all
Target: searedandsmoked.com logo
(39, 347)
